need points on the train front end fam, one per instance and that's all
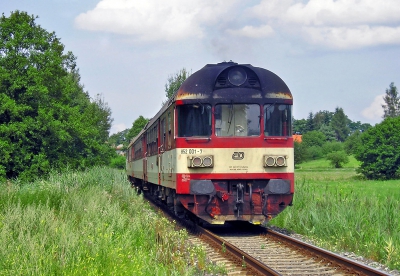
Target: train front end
(234, 145)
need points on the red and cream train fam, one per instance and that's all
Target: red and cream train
(221, 148)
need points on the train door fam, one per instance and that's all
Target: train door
(159, 143)
(169, 141)
(163, 137)
(144, 146)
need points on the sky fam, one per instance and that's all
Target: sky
(342, 53)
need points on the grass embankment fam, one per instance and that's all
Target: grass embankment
(343, 212)
(88, 223)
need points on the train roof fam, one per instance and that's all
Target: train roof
(213, 79)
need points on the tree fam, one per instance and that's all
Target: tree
(46, 119)
(328, 132)
(379, 150)
(313, 138)
(137, 126)
(299, 153)
(322, 118)
(310, 122)
(119, 138)
(299, 126)
(174, 82)
(338, 158)
(339, 124)
(391, 108)
(352, 142)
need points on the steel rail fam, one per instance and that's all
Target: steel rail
(333, 257)
(250, 261)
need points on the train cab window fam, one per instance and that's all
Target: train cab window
(237, 120)
(194, 120)
(278, 120)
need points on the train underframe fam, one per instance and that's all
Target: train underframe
(216, 202)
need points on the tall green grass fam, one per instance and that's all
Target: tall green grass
(343, 212)
(89, 223)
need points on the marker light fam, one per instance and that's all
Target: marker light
(237, 76)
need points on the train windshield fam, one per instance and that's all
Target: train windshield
(278, 120)
(237, 120)
(194, 120)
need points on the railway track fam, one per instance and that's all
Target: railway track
(245, 249)
(267, 252)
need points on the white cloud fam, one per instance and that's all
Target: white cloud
(375, 110)
(337, 24)
(352, 38)
(341, 24)
(153, 20)
(253, 32)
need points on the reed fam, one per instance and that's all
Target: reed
(89, 223)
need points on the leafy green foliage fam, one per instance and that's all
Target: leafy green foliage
(46, 119)
(119, 138)
(314, 152)
(339, 124)
(328, 131)
(336, 128)
(299, 126)
(391, 107)
(352, 142)
(322, 118)
(118, 162)
(174, 82)
(379, 150)
(338, 158)
(333, 146)
(299, 153)
(137, 126)
(313, 138)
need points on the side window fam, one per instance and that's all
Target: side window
(163, 133)
(194, 120)
(278, 120)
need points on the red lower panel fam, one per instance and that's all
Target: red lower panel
(183, 180)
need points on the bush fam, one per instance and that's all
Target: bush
(352, 142)
(313, 138)
(299, 153)
(379, 150)
(329, 147)
(118, 162)
(314, 152)
(338, 158)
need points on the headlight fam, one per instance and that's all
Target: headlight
(274, 161)
(207, 161)
(280, 161)
(197, 161)
(200, 161)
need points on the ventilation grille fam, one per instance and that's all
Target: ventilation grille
(252, 81)
(221, 81)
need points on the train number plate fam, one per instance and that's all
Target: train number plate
(191, 151)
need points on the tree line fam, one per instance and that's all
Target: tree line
(333, 136)
(47, 120)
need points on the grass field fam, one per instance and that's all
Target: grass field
(89, 223)
(93, 223)
(344, 212)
